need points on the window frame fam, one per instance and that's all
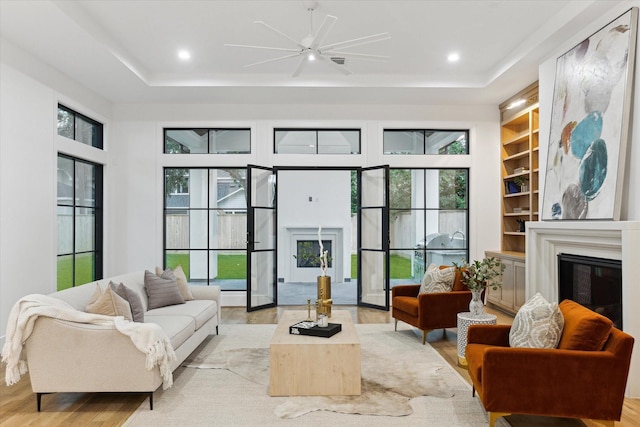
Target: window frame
(99, 127)
(424, 132)
(208, 130)
(98, 227)
(317, 146)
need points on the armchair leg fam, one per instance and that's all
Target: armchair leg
(424, 336)
(473, 391)
(395, 328)
(493, 416)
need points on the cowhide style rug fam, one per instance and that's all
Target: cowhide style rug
(225, 382)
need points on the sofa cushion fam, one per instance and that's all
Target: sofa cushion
(161, 291)
(178, 328)
(584, 329)
(200, 310)
(109, 303)
(407, 304)
(538, 324)
(137, 310)
(437, 279)
(181, 280)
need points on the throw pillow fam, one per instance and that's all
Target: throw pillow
(538, 324)
(437, 280)
(137, 310)
(161, 291)
(181, 280)
(584, 329)
(108, 303)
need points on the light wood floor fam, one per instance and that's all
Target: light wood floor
(18, 403)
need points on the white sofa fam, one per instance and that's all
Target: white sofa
(65, 356)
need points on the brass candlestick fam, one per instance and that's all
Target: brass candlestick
(309, 319)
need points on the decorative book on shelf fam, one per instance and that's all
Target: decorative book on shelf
(314, 330)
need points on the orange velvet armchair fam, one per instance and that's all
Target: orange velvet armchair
(429, 311)
(584, 377)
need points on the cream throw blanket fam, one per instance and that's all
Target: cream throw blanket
(149, 338)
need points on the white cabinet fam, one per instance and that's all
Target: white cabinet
(511, 296)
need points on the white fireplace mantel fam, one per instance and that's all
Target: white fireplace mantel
(619, 240)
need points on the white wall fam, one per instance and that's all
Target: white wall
(630, 209)
(28, 163)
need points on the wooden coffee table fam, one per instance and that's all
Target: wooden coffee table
(301, 365)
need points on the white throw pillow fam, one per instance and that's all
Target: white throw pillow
(538, 324)
(437, 280)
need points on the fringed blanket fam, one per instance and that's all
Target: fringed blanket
(149, 338)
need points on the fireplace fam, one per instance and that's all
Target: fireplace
(593, 282)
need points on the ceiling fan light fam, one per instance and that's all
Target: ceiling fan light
(311, 56)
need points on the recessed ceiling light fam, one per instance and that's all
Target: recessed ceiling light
(453, 57)
(184, 55)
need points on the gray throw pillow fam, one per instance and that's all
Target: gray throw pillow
(161, 292)
(135, 302)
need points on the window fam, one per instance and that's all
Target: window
(425, 141)
(79, 206)
(429, 217)
(205, 215)
(207, 141)
(321, 141)
(80, 128)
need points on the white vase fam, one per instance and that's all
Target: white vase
(476, 305)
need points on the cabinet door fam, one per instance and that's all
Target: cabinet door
(519, 285)
(507, 296)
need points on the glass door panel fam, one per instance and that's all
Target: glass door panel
(373, 237)
(261, 238)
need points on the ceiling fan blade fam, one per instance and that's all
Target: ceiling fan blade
(364, 56)
(262, 47)
(341, 68)
(280, 33)
(356, 42)
(328, 22)
(301, 64)
(280, 58)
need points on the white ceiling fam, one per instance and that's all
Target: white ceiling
(126, 50)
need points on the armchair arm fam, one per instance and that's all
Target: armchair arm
(489, 334)
(405, 291)
(567, 383)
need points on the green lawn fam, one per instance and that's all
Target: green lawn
(84, 270)
(229, 266)
(400, 267)
(235, 266)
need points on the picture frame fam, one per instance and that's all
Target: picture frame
(590, 120)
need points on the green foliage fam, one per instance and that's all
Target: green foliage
(453, 189)
(175, 179)
(480, 274)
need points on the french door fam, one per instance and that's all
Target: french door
(262, 290)
(373, 237)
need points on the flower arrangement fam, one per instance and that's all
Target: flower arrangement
(480, 274)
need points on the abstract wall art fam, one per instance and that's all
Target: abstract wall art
(590, 124)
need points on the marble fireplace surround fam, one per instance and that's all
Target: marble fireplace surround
(619, 240)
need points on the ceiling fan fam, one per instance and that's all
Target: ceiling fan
(311, 48)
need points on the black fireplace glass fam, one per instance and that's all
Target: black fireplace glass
(595, 283)
(308, 253)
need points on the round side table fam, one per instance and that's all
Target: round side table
(464, 320)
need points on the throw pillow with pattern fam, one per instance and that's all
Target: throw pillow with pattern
(538, 324)
(437, 280)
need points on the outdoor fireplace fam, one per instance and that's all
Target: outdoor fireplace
(593, 282)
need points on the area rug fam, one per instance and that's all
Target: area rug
(225, 382)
